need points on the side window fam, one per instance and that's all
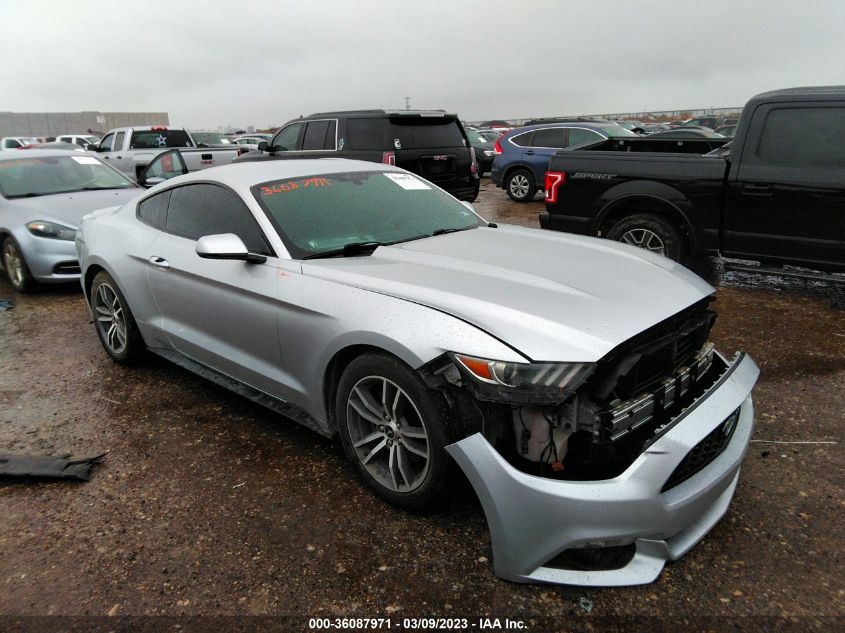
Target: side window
(315, 135)
(331, 136)
(153, 210)
(522, 140)
(366, 134)
(106, 143)
(203, 209)
(12, 143)
(285, 140)
(802, 137)
(118, 141)
(550, 137)
(578, 136)
(167, 165)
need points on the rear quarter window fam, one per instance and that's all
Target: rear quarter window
(366, 134)
(153, 210)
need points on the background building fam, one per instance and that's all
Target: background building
(55, 123)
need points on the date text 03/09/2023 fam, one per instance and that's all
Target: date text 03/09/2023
(430, 624)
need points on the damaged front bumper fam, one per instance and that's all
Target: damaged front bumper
(534, 521)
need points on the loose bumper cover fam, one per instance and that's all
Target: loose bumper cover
(534, 519)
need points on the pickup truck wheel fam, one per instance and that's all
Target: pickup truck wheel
(393, 429)
(520, 186)
(650, 232)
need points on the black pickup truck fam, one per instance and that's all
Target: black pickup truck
(775, 194)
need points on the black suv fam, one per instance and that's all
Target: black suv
(430, 143)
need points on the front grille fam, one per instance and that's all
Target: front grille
(667, 357)
(66, 268)
(704, 452)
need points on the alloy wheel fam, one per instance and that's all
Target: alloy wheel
(14, 263)
(111, 320)
(388, 434)
(646, 239)
(519, 186)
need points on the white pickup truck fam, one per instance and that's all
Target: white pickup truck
(131, 149)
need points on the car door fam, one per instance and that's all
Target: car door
(545, 143)
(104, 147)
(786, 199)
(220, 313)
(163, 167)
(117, 156)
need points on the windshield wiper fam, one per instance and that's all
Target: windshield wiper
(444, 231)
(353, 248)
(31, 194)
(100, 188)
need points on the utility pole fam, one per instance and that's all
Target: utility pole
(407, 103)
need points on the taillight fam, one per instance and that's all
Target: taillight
(473, 167)
(554, 179)
(242, 151)
(498, 148)
(158, 128)
(388, 158)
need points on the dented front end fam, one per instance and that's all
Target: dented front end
(628, 466)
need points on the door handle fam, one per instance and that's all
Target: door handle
(122, 157)
(751, 189)
(530, 152)
(155, 260)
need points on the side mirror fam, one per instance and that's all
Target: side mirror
(264, 146)
(226, 246)
(151, 182)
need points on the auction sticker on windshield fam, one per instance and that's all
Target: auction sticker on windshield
(407, 181)
(86, 160)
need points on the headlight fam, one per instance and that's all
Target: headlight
(525, 382)
(489, 152)
(51, 230)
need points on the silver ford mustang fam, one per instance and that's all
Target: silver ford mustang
(43, 196)
(570, 378)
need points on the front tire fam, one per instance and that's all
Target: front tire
(651, 232)
(113, 320)
(15, 266)
(520, 185)
(394, 431)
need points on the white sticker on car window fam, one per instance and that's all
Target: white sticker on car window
(86, 160)
(407, 181)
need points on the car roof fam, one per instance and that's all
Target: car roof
(798, 94)
(46, 153)
(248, 173)
(590, 125)
(354, 113)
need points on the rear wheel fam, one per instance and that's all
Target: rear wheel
(115, 325)
(651, 232)
(15, 266)
(394, 431)
(520, 186)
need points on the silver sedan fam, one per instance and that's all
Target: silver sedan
(570, 378)
(43, 196)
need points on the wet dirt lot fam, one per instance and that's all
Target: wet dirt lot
(208, 504)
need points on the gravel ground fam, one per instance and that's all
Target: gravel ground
(208, 504)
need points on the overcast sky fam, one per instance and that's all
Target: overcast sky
(243, 62)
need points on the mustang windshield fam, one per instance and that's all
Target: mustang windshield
(323, 213)
(43, 176)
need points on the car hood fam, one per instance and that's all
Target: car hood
(68, 208)
(551, 296)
